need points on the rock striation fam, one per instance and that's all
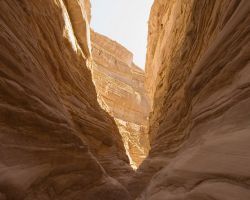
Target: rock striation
(55, 140)
(198, 74)
(120, 87)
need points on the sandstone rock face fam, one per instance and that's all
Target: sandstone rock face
(55, 140)
(198, 72)
(120, 88)
(87, 7)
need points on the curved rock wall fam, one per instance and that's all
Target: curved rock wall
(55, 140)
(120, 88)
(198, 72)
(57, 143)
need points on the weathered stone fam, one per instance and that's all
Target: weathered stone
(55, 140)
(199, 75)
(120, 88)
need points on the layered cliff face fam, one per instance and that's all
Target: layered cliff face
(120, 88)
(198, 72)
(56, 141)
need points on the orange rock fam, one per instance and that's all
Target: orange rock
(120, 88)
(55, 140)
(198, 73)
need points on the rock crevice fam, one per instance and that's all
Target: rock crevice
(120, 88)
(61, 138)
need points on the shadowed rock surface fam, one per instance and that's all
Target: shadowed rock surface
(198, 73)
(120, 87)
(56, 142)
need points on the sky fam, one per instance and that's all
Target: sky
(125, 21)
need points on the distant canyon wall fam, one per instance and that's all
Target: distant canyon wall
(57, 142)
(198, 75)
(120, 88)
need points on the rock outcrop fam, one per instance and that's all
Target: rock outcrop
(120, 87)
(198, 72)
(55, 140)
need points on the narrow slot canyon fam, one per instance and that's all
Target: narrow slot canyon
(79, 120)
(121, 92)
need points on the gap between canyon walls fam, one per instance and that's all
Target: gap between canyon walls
(121, 92)
(120, 86)
(57, 143)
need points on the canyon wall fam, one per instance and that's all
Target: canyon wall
(120, 88)
(198, 73)
(55, 140)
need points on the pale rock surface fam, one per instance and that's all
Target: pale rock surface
(120, 87)
(198, 73)
(87, 8)
(55, 140)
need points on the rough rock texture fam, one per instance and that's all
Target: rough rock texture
(55, 140)
(57, 143)
(198, 71)
(120, 88)
(87, 7)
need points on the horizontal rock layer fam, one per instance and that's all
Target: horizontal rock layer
(198, 72)
(120, 88)
(56, 141)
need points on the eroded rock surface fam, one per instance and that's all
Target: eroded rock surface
(55, 140)
(120, 88)
(57, 143)
(198, 72)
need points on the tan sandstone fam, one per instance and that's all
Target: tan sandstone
(55, 140)
(57, 143)
(120, 88)
(198, 73)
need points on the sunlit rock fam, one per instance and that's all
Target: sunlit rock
(55, 140)
(120, 88)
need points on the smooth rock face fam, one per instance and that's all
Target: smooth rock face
(55, 140)
(198, 71)
(120, 87)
